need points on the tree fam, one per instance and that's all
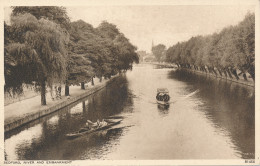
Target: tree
(39, 48)
(245, 45)
(79, 66)
(79, 71)
(53, 13)
(107, 30)
(127, 52)
(229, 51)
(159, 51)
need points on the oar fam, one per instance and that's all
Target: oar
(90, 122)
(115, 117)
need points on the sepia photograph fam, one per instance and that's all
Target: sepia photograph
(134, 81)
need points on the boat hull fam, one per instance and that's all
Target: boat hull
(78, 134)
(162, 102)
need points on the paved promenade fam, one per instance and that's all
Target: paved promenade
(24, 108)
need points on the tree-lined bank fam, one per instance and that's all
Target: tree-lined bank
(229, 53)
(42, 48)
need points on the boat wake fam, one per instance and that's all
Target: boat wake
(152, 101)
(191, 94)
(186, 96)
(183, 97)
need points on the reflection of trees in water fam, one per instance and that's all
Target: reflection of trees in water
(50, 143)
(93, 146)
(228, 105)
(110, 101)
(53, 145)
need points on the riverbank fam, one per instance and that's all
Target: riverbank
(25, 111)
(240, 81)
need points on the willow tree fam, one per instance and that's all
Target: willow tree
(56, 14)
(39, 48)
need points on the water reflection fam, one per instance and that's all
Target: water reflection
(47, 140)
(93, 146)
(206, 119)
(163, 109)
(23, 141)
(230, 107)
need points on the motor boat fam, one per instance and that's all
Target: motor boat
(163, 96)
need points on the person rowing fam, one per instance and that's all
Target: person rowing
(102, 123)
(88, 126)
(97, 124)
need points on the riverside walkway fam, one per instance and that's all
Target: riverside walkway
(24, 111)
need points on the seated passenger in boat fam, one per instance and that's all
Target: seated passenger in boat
(90, 124)
(97, 124)
(87, 126)
(93, 124)
(102, 123)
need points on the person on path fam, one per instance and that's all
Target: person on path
(59, 91)
(52, 93)
(56, 92)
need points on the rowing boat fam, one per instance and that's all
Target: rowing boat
(84, 131)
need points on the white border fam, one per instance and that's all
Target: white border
(137, 2)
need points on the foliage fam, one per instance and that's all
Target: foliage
(38, 48)
(79, 67)
(159, 52)
(52, 13)
(127, 52)
(233, 48)
(43, 46)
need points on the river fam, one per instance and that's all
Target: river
(208, 118)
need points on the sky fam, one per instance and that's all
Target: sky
(161, 24)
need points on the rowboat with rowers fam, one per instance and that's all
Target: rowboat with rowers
(94, 127)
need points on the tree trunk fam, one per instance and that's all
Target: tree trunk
(225, 72)
(82, 85)
(228, 71)
(234, 72)
(251, 71)
(214, 71)
(204, 69)
(43, 93)
(244, 75)
(220, 73)
(92, 81)
(209, 69)
(67, 90)
(100, 79)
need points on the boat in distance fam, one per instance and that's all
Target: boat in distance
(163, 96)
(82, 132)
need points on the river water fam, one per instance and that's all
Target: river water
(207, 119)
